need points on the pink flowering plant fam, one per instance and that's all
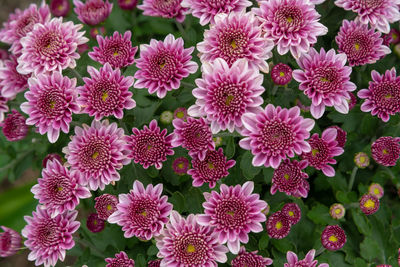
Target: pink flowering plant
(192, 133)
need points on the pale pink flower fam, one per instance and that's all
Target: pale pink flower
(97, 152)
(234, 212)
(165, 9)
(382, 97)
(51, 103)
(206, 10)
(274, 134)
(10, 242)
(244, 259)
(293, 25)
(121, 260)
(105, 93)
(225, 93)
(325, 79)
(14, 126)
(143, 212)
(293, 261)
(50, 47)
(235, 36)
(11, 81)
(184, 242)
(163, 64)
(48, 238)
(92, 12)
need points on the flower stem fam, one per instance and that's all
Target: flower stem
(77, 75)
(352, 178)
(189, 85)
(16, 160)
(319, 251)
(181, 30)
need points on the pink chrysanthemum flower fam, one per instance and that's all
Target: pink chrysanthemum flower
(386, 150)
(278, 225)
(352, 101)
(235, 36)
(225, 93)
(164, 9)
(127, 4)
(59, 189)
(376, 190)
(3, 54)
(369, 204)
(97, 31)
(184, 242)
(292, 25)
(92, 12)
(275, 134)
(234, 212)
(213, 168)
(105, 205)
(361, 160)
(105, 93)
(11, 81)
(53, 157)
(116, 50)
(149, 146)
(325, 79)
(281, 74)
(333, 237)
(94, 223)
(360, 44)
(194, 135)
(181, 165)
(337, 211)
(180, 113)
(341, 136)
(51, 102)
(308, 261)
(323, 149)
(121, 260)
(290, 179)
(49, 238)
(20, 23)
(163, 64)
(379, 13)
(155, 263)
(10, 242)
(206, 10)
(143, 212)
(50, 47)
(97, 151)
(382, 97)
(60, 8)
(3, 107)
(14, 126)
(293, 212)
(244, 259)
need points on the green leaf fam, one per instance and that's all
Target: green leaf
(178, 200)
(248, 170)
(369, 249)
(194, 199)
(362, 223)
(283, 245)
(230, 148)
(319, 214)
(140, 261)
(263, 242)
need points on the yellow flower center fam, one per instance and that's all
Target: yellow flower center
(362, 159)
(369, 204)
(384, 151)
(388, 96)
(333, 238)
(190, 248)
(109, 207)
(59, 188)
(291, 213)
(52, 104)
(289, 19)
(104, 96)
(232, 213)
(149, 147)
(180, 114)
(357, 46)
(229, 99)
(376, 191)
(95, 155)
(210, 165)
(60, 7)
(233, 44)
(143, 213)
(180, 165)
(314, 152)
(338, 211)
(286, 176)
(324, 79)
(281, 74)
(278, 225)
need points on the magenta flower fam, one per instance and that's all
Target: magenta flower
(180, 113)
(281, 74)
(325, 79)
(382, 97)
(290, 179)
(293, 261)
(352, 101)
(60, 8)
(234, 212)
(386, 150)
(10, 242)
(184, 242)
(4, 54)
(105, 93)
(163, 64)
(361, 44)
(225, 93)
(92, 12)
(235, 36)
(143, 212)
(292, 25)
(53, 157)
(97, 31)
(181, 165)
(105, 205)
(341, 136)
(292, 212)
(3, 107)
(337, 211)
(121, 260)
(59, 189)
(278, 225)
(274, 134)
(11, 81)
(206, 10)
(155, 263)
(127, 4)
(378, 13)
(97, 151)
(213, 168)
(49, 238)
(369, 204)
(116, 50)
(361, 160)
(50, 47)
(333, 237)
(149, 146)
(14, 126)
(164, 9)
(376, 190)
(323, 149)
(51, 102)
(94, 223)
(250, 259)
(194, 135)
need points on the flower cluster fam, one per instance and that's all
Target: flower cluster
(280, 222)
